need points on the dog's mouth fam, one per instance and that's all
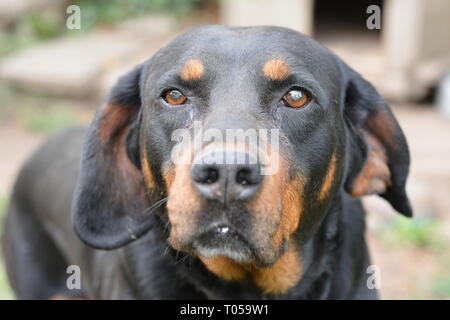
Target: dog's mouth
(223, 240)
(239, 240)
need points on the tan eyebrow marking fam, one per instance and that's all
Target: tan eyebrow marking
(276, 69)
(193, 69)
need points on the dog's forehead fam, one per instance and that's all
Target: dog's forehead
(216, 47)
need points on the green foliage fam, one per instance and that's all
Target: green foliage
(46, 25)
(112, 11)
(420, 232)
(441, 287)
(10, 42)
(38, 113)
(46, 120)
(5, 98)
(3, 202)
(32, 27)
(37, 25)
(5, 290)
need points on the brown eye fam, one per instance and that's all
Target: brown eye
(296, 98)
(174, 96)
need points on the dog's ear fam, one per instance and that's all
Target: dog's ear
(379, 161)
(110, 199)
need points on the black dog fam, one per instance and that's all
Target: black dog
(206, 229)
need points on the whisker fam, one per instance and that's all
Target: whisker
(185, 257)
(166, 251)
(167, 225)
(155, 205)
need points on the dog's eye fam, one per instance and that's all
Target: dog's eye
(174, 97)
(296, 98)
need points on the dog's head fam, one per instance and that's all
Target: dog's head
(242, 138)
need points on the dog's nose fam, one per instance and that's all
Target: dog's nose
(235, 177)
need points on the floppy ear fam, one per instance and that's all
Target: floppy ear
(110, 198)
(380, 156)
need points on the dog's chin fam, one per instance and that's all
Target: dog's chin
(240, 255)
(227, 244)
(223, 240)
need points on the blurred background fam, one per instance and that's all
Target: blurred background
(53, 76)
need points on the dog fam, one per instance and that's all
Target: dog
(114, 203)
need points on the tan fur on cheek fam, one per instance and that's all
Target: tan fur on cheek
(277, 209)
(292, 207)
(276, 69)
(193, 69)
(169, 176)
(148, 176)
(182, 206)
(266, 209)
(329, 178)
(293, 204)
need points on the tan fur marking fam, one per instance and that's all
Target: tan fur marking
(375, 176)
(267, 207)
(169, 176)
(291, 211)
(276, 69)
(225, 268)
(283, 275)
(183, 203)
(278, 206)
(113, 119)
(382, 126)
(329, 178)
(293, 204)
(277, 279)
(148, 176)
(193, 69)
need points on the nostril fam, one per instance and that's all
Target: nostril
(242, 176)
(205, 175)
(212, 175)
(248, 176)
(226, 182)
